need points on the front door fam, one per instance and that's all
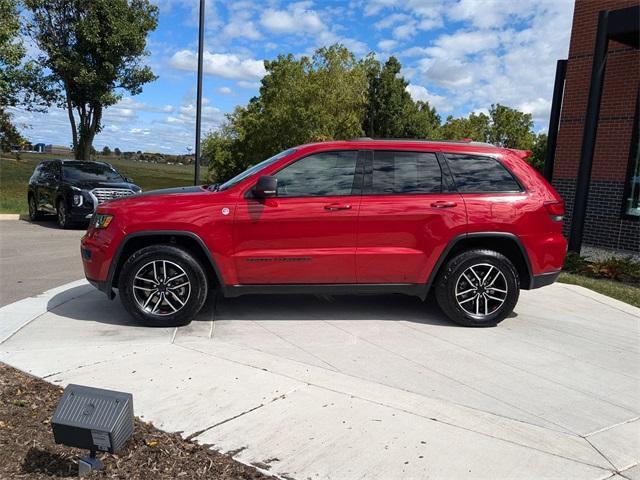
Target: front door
(407, 217)
(307, 233)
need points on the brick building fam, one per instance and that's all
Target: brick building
(593, 135)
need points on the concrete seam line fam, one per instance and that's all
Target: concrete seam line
(42, 299)
(518, 368)
(408, 412)
(601, 454)
(279, 397)
(611, 426)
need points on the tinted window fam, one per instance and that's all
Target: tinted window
(405, 173)
(49, 170)
(250, 171)
(89, 171)
(480, 174)
(320, 175)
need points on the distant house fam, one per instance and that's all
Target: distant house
(57, 149)
(39, 147)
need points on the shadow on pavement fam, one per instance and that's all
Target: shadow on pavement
(50, 222)
(95, 307)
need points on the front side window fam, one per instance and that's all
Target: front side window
(476, 174)
(404, 173)
(89, 171)
(251, 170)
(319, 175)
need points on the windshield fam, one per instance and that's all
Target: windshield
(89, 171)
(250, 171)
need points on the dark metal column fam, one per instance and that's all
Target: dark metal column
(589, 136)
(554, 119)
(196, 177)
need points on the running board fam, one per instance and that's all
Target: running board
(414, 289)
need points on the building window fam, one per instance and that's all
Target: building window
(632, 205)
(632, 190)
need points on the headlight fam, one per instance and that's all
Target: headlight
(101, 220)
(78, 198)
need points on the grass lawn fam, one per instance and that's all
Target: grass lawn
(14, 177)
(620, 291)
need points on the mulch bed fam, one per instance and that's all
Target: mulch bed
(27, 449)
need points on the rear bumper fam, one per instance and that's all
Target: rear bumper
(544, 279)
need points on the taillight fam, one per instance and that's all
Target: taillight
(555, 209)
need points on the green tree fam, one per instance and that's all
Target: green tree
(510, 128)
(391, 112)
(93, 49)
(303, 100)
(475, 127)
(22, 82)
(538, 151)
(117, 152)
(106, 151)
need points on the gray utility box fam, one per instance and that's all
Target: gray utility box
(93, 419)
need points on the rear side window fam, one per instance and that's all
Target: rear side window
(476, 174)
(319, 175)
(397, 172)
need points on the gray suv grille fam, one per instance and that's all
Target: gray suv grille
(104, 194)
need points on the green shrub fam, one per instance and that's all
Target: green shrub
(574, 263)
(622, 269)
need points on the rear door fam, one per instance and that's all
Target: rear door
(307, 233)
(408, 213)
(48, 185)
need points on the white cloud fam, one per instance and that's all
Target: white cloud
(220, 65)
(297, 19)
(386, 45)
(418, 92)
(224, 90)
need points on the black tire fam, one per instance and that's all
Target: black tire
(34, 214)
(464, 301)
(63, 214)
(179, 260)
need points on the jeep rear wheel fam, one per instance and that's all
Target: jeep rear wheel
(478, 288)
(163, 285)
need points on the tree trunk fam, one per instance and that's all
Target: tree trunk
(88, 127)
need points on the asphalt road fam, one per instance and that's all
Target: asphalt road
(35, 257)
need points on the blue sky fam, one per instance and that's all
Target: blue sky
(460, 55)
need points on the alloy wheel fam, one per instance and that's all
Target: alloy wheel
(481, 290)
(161, 287)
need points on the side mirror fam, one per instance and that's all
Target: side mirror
(128, 179)
(266, 187)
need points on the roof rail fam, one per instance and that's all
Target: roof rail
(467, 141)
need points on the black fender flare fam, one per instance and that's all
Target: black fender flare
(116, 260)
(480, 235)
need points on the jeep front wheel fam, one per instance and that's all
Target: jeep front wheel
(478, 288)
(163, 285)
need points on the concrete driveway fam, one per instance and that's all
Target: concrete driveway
(363, 387)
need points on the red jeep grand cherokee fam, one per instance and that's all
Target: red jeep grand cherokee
(471, 220)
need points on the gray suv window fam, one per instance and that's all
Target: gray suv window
(399, 172)
(319, 175)
(476, 174)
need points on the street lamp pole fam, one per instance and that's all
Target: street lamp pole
(196, 179)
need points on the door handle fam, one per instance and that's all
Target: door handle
(444, 204)
(337, 206)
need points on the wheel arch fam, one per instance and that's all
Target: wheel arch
(187, 240)
(505, 243)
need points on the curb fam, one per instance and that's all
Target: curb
(10, 216)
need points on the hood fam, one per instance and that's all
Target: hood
(175, 190)
(90, 185)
